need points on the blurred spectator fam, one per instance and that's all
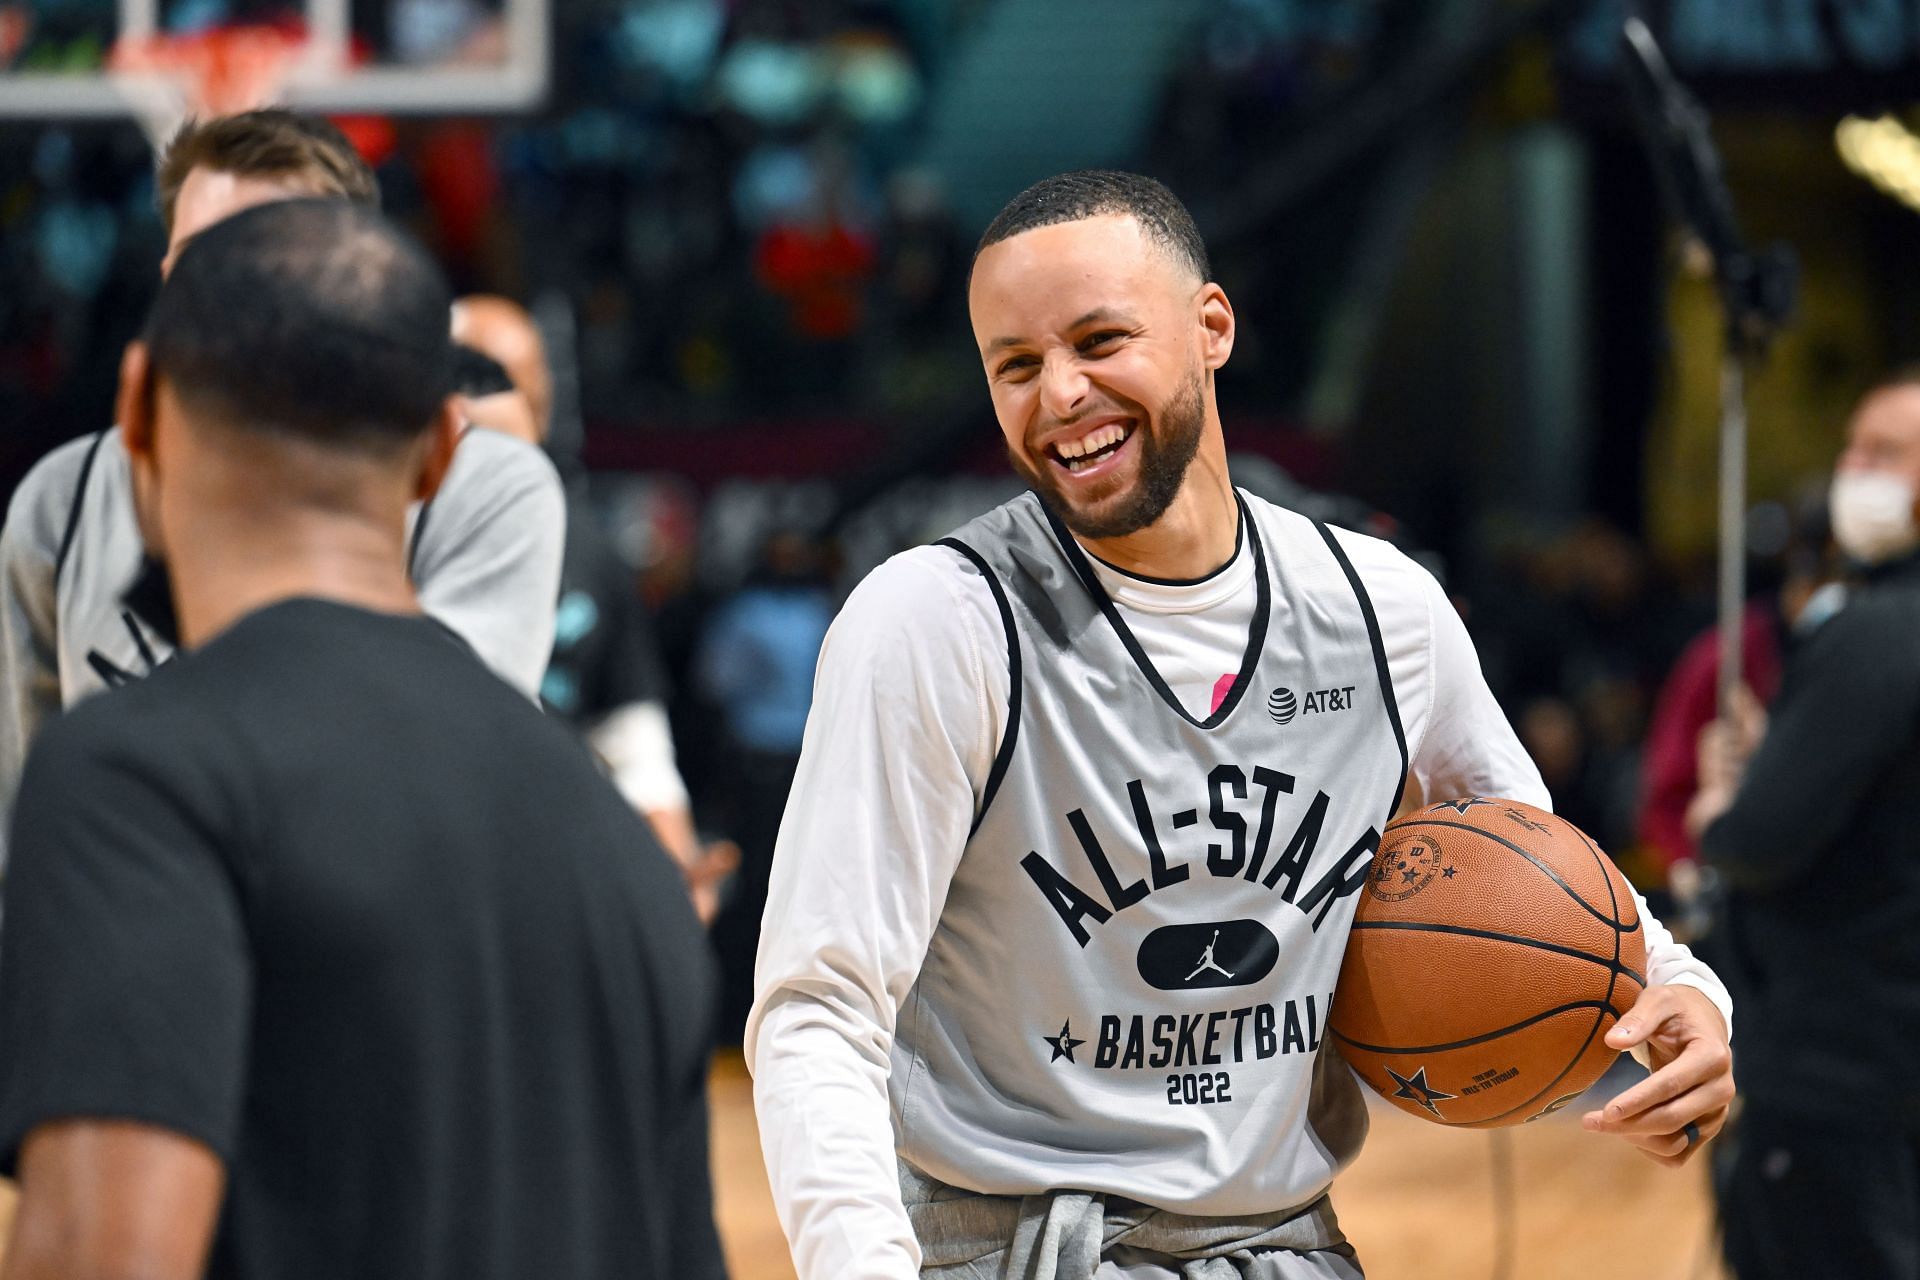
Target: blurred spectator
(1574, 632)
(1551, 731)
(604, 676)
(815, 255)
(1813, 820)
(818, 263)
(1687, 702)
(756, 663)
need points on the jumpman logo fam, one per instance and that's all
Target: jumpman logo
(1208, 962)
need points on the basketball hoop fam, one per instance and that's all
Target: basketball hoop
(316, 58)
(171, 78)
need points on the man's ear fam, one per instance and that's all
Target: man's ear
(442, 437)
(1216, 326)
(133, 408)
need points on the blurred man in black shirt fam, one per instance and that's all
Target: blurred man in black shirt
(1818, 836)
(327, 954)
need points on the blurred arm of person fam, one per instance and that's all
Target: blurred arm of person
(636, 742)
(32, 545)
(1725, 745)
(635, 739)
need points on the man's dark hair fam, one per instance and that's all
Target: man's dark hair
(268, 143)
(316, 318)
(1093, 193)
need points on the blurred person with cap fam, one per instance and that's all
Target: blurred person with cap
(1811, 814)
(484, 553)
(327, 953)
(604, 675)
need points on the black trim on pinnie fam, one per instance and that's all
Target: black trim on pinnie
(1379, 660)
(1239, 537)
(1256, 634)
(413, 548)
(73, 511)
(1003, 757)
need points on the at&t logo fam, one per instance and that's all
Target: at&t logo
(1283, 706)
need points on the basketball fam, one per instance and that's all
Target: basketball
(1493, 948)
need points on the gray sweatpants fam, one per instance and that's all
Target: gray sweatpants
(1336, 1263)
(1077, 1235)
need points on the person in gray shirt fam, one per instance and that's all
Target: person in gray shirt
(484, 555)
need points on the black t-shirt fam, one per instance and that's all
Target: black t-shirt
(329, 897)
(1821, 944)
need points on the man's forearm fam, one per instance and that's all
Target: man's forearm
(820, 1094)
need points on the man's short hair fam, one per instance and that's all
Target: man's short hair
(268, 143)
(314, 318)
(1093, 193)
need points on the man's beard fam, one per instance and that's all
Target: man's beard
(1165, 454)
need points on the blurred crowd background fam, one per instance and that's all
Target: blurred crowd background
(744, 226)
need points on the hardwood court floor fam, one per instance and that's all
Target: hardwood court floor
(1418, 1204)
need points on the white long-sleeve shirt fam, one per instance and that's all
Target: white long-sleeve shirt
(910, 708)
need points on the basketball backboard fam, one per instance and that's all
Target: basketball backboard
(160, 60)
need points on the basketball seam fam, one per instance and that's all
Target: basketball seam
(1599, 1016)
(1463, 930)
(1468, 1043)
(1613, 980)
(1613, 901)
(1544, 869)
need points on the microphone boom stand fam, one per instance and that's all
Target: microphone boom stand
(1755, 290)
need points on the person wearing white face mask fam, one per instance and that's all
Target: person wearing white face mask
(1876, 483)
(1817, 833)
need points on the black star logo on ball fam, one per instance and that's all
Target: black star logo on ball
(1461, 806)
(1447, 872)
(1063, 1044)
(1418, 1090)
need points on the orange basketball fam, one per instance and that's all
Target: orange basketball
(1493, 948)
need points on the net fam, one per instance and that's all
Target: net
(169, 78)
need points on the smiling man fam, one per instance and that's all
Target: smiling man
(1085, 799)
